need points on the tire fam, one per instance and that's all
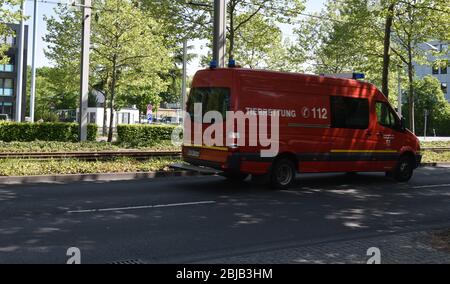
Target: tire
(282, 175)
(404, 169)
(235, 177)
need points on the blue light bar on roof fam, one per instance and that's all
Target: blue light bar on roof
(213, 64)
(359, 76)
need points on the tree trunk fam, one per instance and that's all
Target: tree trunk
(387, 47)
(232, 34)
(412, 124)
(105, 115)
(140, 116)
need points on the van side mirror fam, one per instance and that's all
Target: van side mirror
(403, 124)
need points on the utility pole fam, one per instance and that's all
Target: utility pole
(219, 41)
(33, 63)
(20, 67)
(84, 88)
(400, 102)
(184, 80)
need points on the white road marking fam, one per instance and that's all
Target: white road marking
(142, 207)
(432, 186)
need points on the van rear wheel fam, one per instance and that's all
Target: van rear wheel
(403, 172)
(283, 174)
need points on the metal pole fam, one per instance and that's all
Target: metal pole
(400, 103)
(184, 80)
(84, 88)
(33, 63)
(20, 67)
(219, 41)
(426, 122)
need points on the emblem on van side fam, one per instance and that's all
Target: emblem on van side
(305, 112)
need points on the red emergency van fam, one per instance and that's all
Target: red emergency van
(326, 125)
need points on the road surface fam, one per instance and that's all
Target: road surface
(207, 219)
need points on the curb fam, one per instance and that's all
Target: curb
(435, 165)
(18, 180)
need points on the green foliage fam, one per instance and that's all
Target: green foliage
(434, 157)
(138, 135)
(259, 43)
(140, 97)
(89, 146)
(63, 50)
(73, 166)
(429, 96)
(26, 132)
(8, 14)
(348, 35)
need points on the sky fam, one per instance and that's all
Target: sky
(45, 7)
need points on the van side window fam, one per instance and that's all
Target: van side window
(212, 99)
(349, 113)
(386, 116)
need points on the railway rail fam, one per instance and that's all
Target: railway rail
(104, 155)
(109, 155)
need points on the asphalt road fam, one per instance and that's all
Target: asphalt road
(196, 219)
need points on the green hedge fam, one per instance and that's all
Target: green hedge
(48, 131)
(144, 134)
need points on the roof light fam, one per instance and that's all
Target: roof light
(232, 63)
(354, 76)
(359, 76)
(213, 64)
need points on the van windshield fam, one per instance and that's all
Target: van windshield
(212, 99)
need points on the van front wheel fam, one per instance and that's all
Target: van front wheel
(404, 170)
(283, 174)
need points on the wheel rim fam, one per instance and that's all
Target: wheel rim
(284, 174)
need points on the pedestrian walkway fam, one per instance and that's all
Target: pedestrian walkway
(405, 248)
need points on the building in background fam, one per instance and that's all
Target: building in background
(8, 74)
(439, 66)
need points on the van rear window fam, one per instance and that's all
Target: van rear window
(212, 99)
(350, 113)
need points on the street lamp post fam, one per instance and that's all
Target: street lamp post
(219, 41)
(84, 84)
(20, 67)
(33, 63)
(184, 80)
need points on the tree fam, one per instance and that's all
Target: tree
(128, 50)
(259, 43)
(350, 35)
(51, 94)
(387, 46)
(242, 12)
(415, 22)
(340, 39)
(8, 14)
(193, 19)
(140, 97)
(64, 46)
(429, 96)
(174, 76)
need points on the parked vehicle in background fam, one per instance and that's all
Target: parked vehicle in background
(325, 125)
(4, 117)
